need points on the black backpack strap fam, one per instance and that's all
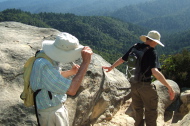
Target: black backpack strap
(35, 94)
(50, 95)
(35, 106)
(146, 79)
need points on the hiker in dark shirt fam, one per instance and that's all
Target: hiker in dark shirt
(144, 93)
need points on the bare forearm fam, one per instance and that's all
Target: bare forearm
(159, 76)
(77, 80)
(117, 63)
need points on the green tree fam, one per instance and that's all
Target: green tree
(177, 67)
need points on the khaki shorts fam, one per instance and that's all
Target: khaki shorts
(54, 116)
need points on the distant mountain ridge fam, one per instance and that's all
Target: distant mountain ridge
(86, 7)
(163, 15)
(167, 16)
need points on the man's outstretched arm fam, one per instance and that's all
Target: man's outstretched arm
(117, 63)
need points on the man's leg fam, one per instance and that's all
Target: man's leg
(150, 99)
(137, 104)
(62, 118)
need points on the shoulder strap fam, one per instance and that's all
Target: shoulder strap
(143, 75)
(36, 111)
(26, 77)
(146, 48)
(43, 55)
(28, 68)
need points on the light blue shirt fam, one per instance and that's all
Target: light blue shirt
(47, 77)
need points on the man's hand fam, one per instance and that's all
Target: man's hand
(75, 68)
(86, 54)
(117, 63)
(108, 68)
(70, 72)
(171, 93)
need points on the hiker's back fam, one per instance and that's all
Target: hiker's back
(134, 72)
(27, 94)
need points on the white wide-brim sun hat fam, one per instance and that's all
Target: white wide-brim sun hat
(154, 36)
(65, 48)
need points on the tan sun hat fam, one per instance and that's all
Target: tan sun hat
(153, 35)
(65, 48)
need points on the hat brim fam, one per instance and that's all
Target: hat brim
(60, 55)
(143, 38)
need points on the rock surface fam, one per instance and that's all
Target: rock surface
(102, 100)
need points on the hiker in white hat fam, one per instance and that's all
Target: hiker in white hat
(53, 83)
(143, 92)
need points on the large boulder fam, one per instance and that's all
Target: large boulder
(99, 96)
(184, 108)
(18, 42)
(184, 122)
(164, 99)
(185, 99)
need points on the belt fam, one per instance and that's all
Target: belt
(146, 80)
(146, 83)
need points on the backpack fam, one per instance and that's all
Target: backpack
(28, 94)
(133, 70)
